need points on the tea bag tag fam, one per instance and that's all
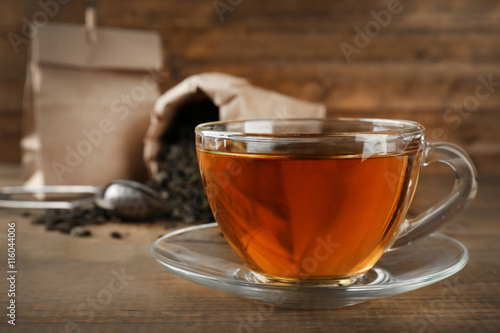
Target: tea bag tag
(374, 145)
(91, 24)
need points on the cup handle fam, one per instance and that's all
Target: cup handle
(464, 190)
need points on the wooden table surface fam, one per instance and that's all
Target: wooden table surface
(68, 284)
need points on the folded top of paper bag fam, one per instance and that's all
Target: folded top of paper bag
(64, 44)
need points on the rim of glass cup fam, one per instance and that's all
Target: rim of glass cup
(402, 129)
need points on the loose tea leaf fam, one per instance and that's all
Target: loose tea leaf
(116, 234)
(80, 232)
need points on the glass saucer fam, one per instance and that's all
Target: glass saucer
(201, 254)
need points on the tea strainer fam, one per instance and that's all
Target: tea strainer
(124, 198)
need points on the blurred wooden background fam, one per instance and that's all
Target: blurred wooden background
(427, 58)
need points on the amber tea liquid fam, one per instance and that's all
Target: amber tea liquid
(302, 217)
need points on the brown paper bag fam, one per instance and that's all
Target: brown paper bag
(234, 98)
(88, 98)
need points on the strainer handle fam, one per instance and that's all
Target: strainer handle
(6, 193)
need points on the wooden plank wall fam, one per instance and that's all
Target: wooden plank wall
(425, 60)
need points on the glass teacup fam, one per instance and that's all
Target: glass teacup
(320, 200)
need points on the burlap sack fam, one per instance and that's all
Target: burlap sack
(233, 99)
(88, 99)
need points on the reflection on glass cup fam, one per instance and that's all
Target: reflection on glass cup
(320, 200)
